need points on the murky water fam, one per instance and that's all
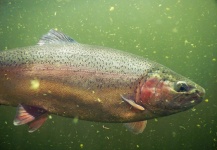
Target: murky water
(180, 34)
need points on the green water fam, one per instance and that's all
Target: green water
(180, 34)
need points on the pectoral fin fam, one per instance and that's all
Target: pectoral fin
(136, 127)
(31, 115)
(22, 116)
(132, 103)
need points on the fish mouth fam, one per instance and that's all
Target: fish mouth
(181, 101)
(186, 100)
(163, 95)
(198, 94)
(186, 94)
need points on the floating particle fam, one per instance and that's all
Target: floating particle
(98, 99)
(214, 59)
(193, 101)
(193, 109)
(81, 145)
(193, 45)
(186, 42)
(104, 127)
(198, 126)
(206, 100)
(175, 30)
(174, 134)
(111, 8)
(75, 120)
(34, 84)
(182, 127)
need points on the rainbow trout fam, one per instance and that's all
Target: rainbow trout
(63, 77)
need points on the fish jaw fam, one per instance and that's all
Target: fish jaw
(165, 92)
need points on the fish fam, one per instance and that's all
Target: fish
(63, 77)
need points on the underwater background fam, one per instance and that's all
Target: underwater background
(180, 34)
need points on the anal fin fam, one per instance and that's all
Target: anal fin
(136, 127)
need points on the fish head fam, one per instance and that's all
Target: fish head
(165, 92)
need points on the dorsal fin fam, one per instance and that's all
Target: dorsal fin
(54, 36)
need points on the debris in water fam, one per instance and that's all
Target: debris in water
(181, 127)
(81, 145)
(75, 120)
(34, 84)
(174, 134)
(50, 117)
(111, 8)
(198, 126)
(193, 109)
(104, 127)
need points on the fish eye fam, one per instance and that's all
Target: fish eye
(181, 86)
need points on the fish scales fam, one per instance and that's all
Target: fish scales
(66, 78)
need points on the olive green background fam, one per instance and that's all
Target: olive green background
(180, 34)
